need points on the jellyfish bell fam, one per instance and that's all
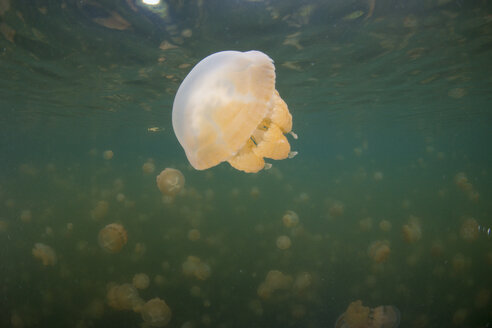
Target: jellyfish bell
(227, 109)
(359, 316)
(170, 182)
(156, 313)
(112, 237)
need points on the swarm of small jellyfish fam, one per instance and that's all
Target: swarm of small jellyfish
(359, 316)
(156, 313)
(124, 297)
(275, 280)
(170, 182)
(290, 219)
(112, 237)
(466, 186)
(469, 230)
(44, 253)
(379, 251)
(194, 267)
(412, 231)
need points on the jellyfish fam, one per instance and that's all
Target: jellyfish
(227, 109)
(108, 154)
(44, 253)
(283, 242)
(124, 297)
(170, 182)
(112, 237)
(290, 219)
(360, 316)
(156, 313)
(141, 281)
(379, 251)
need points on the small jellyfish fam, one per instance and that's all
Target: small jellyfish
(123, 297)
(148, 167)
(156, 313)
(283, 242)
(141, 281)
(170, 182)
(44, 253)
(469, 230)
(412, 231)
(112, 237)
(290, 219)
(227, 109)
(379, 251)
(359, 316)
(108, 154)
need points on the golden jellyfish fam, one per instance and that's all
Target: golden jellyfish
(283, 242)
(275, 280)
(469, 230)
(360, 316)
(412, 231)
(108, 154)
(193, 266)
(379, 251)
(44, 253)
(124, 297)
(227, 109)
(290, 219)
(112, 237)
(170, 182)
(148, 167)
(156, 313)
(141, 281)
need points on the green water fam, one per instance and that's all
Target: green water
(392, 106)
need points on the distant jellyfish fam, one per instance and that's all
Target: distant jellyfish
(379, 251)
(412, 231)
(108, 154)
(290, 219)
(26, 216)
(283, 242)
(112, 237)
(44, 253)
(385, 225)
(148, 167)
(156, 313)
(141, 281)
(124, 297)
(469, 230)
(227, 109)
(360, 316)
(170, 182)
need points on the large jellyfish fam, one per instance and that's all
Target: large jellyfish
(227, 109)
(359, 316)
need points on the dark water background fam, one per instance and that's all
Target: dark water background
(392, 106)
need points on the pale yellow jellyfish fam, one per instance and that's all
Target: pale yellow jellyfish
(379, 251)
(170, 182)
(156, 313)
(112, 237)
(227, 109)
(124, 297)
(290, 219)
(141, 281)
(283, 242)
(360, 316)
(108, 154)
(44, 253)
